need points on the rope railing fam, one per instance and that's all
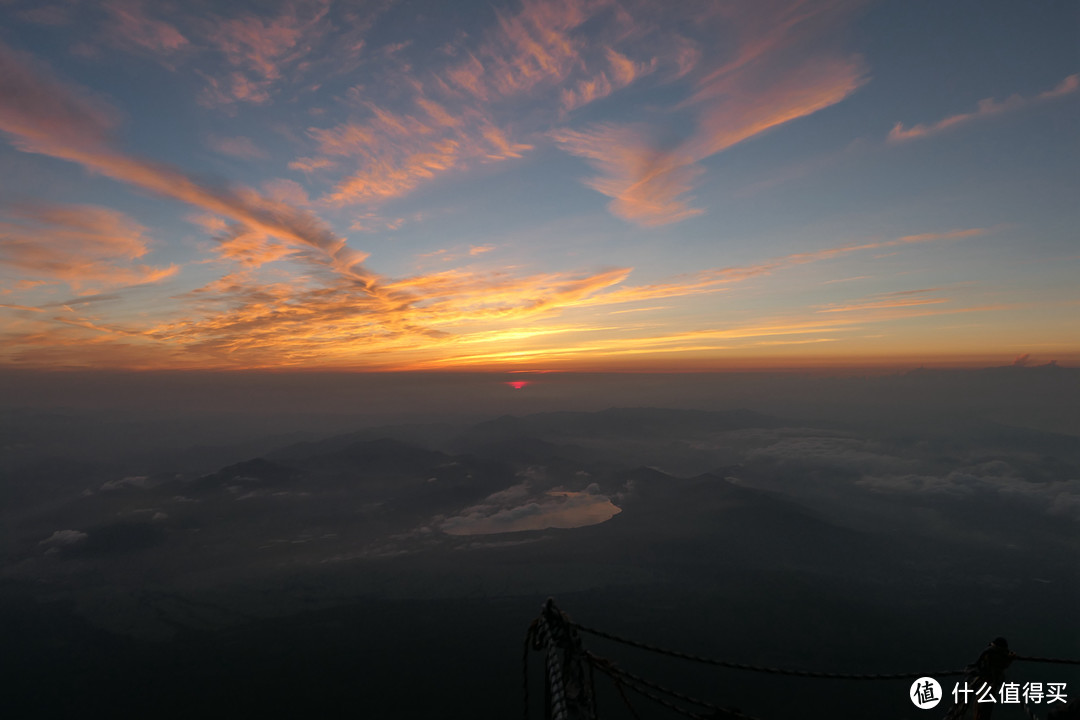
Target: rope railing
(570, 692)
(556, 686)
(569, 688)
(763, 668)
(1058, 661)
(629, 678)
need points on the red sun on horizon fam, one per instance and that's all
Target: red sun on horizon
(518, 384)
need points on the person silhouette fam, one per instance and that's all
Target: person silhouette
(989, 675)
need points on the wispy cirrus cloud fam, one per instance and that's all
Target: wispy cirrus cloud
(749, 110)
(526, 48)
(43, 116)
(346, 315)
(886, 301)
(261, 48)
(253, 322)
(986, 108)
(83, 246)
(758, 89)
(718, 279)
(396, 152)
(453, 116)
(647, 186)
(620, 73)
(439, 318)
(129, 24)
(295, 293)
(257, 317)
(244, 54)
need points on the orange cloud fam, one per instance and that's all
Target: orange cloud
(250, 248)
(438, 113)
(397, 151)
(38, 111)
(762, 32)
(130, 25)
(686, 57)
(234, 87)
(249, 321)
(452, 120)
(649, 185)
(448, 255)
(84, 246)
(586, 91)
(428, 316)
(310, 165)
(256, 318)
(646, 186)
(748, 111)
(45, 117)
(704, 343)
(622, 71)
(986, 108)
(883, 303)
(770, 76)
(387, 177)
(500, 146)
(715, 280)
(534, 45)
(636, 344)
(258, 48)
(469, 76)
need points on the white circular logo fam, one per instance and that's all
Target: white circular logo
(925, 693)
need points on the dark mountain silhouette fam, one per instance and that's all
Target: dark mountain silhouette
(257, 471)
(623, 423)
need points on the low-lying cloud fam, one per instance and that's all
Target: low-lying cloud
(516, 510)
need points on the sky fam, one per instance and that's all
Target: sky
(550, 185)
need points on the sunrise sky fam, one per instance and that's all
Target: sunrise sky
(541, 185)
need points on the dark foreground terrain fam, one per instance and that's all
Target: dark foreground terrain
(391, 571)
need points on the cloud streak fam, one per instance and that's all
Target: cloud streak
(129, 25)
(83, 246)
(987, 107)
(396, 152)
(761, 89)
(259, 48)
(43, 116)
(647, 186)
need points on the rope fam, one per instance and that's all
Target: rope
(529, 644)
(1059, 661)
(656, 698)
(553, 633)
(613, 670)
(619, 682)
(761, 668)
(554, 671)
(622, 693)
(592, 692)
